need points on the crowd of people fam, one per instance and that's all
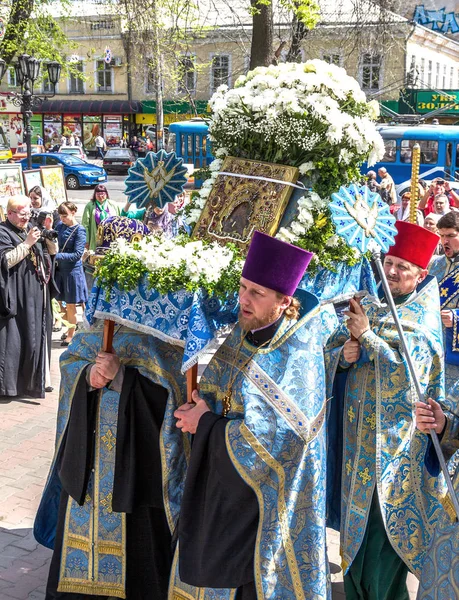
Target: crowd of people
(241, 513)
(244, 508)
(52, 257)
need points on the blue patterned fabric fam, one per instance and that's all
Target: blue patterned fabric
(93, 555)
(442, 268)
(383, 452)
(343, 284)
(276, 441)
(180, 318)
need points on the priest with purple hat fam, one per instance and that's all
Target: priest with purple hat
(252, 520)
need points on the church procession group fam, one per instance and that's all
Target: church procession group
(307, 415)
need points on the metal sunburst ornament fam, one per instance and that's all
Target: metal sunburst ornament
(361, 216)
(157, 178)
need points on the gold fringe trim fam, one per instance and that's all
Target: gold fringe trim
(110, 548)
(78, 544)
(91, 588)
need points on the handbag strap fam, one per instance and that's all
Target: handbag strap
(70, 236)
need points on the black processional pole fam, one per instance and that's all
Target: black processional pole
(388, 294)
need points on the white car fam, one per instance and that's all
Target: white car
(74, 150)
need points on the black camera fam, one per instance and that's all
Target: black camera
(38, 220)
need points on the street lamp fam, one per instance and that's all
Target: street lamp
(27, 70)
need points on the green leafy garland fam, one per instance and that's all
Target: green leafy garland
(126, 270)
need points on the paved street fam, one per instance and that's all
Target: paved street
(26, 449)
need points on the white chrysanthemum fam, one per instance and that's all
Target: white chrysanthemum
(306, 167)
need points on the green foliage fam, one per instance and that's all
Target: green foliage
(317, 239)
(307, 12)
(127, 271)
(32, 29)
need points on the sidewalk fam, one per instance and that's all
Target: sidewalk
(27, 430)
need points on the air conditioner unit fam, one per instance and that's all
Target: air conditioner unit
(116, 61)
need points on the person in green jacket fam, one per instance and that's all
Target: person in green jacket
(96, 210)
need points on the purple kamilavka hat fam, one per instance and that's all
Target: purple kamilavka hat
(275, 264)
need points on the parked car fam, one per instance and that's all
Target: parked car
(21, 151)
(77, 172)
(118, 160)
(74, 151)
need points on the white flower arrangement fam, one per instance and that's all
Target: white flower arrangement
(307, 205)
(171, 265)
(311, 115)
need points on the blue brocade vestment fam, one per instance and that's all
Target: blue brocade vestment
(383, 451)
(275, 438)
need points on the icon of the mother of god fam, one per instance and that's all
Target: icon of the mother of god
(238, 220)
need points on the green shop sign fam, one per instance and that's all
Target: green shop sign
(428, 101)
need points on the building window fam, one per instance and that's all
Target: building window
(437, 75)
(12, 77)
(371, 71)
(429, 74)
(451, 78)
(422, 83)
(220, 72)
(150, 79)
(443, 87)
(186, 75)
(105, 24)
(104, 76)
(76, 83)
(332, 59)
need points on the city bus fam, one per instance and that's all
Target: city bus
(190, 142)
(439, 153)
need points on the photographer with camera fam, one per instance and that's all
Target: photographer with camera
(26, 284)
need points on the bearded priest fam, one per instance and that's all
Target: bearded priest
(389, 502)
(252, 520)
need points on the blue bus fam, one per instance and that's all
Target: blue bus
(439, 150)
(439, 153)
(190, 142)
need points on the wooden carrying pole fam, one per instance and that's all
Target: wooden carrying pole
(191, 374)
(191, 382)
(415, 162)
(109, 329)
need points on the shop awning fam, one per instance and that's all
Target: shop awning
(91, 107)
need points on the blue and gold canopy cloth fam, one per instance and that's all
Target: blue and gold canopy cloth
(383, 451)
(276, 441)
(447, 274)
(93, 554)
(188, 320)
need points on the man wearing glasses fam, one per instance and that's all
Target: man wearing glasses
(25, 303)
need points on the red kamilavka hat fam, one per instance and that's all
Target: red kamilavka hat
(414, 244)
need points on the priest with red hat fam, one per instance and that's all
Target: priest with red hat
(252, 520)
(389, 502)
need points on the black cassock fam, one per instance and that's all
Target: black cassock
(25, 316)
(219, 513)
(137, 489)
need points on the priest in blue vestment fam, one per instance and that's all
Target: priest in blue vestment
(389, 502)
(252, 518)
